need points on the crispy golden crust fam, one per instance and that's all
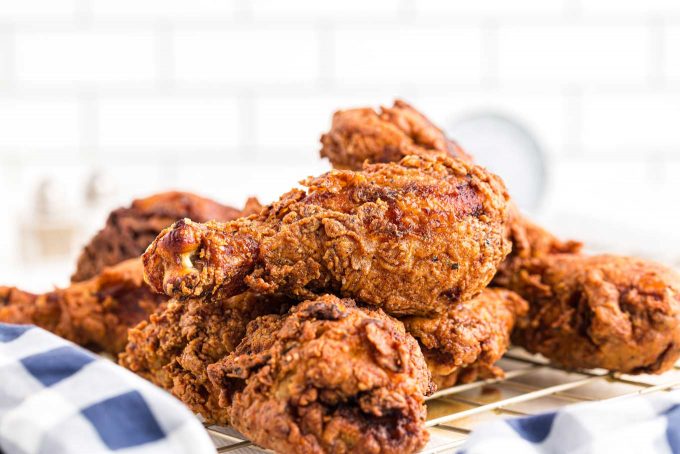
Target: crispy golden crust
(411, 238)
(95, 313)
(128, 231)
(173, 348)
(529, 241)
(364, 135)
(617, 313)
(464, 343)
(328, 377)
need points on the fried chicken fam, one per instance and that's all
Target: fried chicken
(529, 241)
(327, 377)
(546, 271)
(463, 344)
(412, 238)
(173, 348)
(128, 231)
(617, 313)
(95, 313)
(364, 135)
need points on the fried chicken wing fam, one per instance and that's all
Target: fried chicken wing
(463, 344)
(412, 238)
(327, 377)
(95, 313)
(173, 348)
(617, 313)
(129, 231)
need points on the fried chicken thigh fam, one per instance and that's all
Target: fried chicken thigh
(411, 237)
(462, 344)
(129, 231)
(327, 377)
(95, 313)
(173, 348)
(617, 313)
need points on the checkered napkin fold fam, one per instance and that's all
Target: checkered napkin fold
(640, 424)
(58, 398)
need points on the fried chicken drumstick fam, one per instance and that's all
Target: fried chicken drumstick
(411, 237)
(173, 348)
(95, 313)
(617, 313)
(129, 231)
(463, 344)
(327, 377)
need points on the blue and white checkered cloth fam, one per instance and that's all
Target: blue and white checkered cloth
(641, 424)
(57, 398)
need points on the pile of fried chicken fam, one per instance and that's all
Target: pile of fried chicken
(319, 323)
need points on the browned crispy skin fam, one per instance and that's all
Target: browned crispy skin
(617, 313)
(175, 345)
(95, 313)
(411, 237)
(328, 377)
(463, 344)
(364, 135)
(529, 241)
(128, 231)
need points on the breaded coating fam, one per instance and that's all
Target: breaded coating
(129, 231)
(364, 135)
(463, 344)
(328, 377)
(529, 241)
(174, 347)
(616, 313)
(412, 237)
(95, 313)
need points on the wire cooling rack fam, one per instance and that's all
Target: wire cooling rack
(530, 386)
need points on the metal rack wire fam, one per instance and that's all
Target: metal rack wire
(530, 386)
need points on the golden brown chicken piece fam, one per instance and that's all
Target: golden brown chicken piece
(364, 135)
(173, 348)
(327, 377)
(95, 313)
(411, 238)
(617, 313)
(529, 241)
(463, 344)
(129, 231)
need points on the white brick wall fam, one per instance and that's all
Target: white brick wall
(246, 56)
(68, 55)
(196, 94)
(409, 55)
(574, 54)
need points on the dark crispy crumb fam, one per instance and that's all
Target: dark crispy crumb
(327, 377)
